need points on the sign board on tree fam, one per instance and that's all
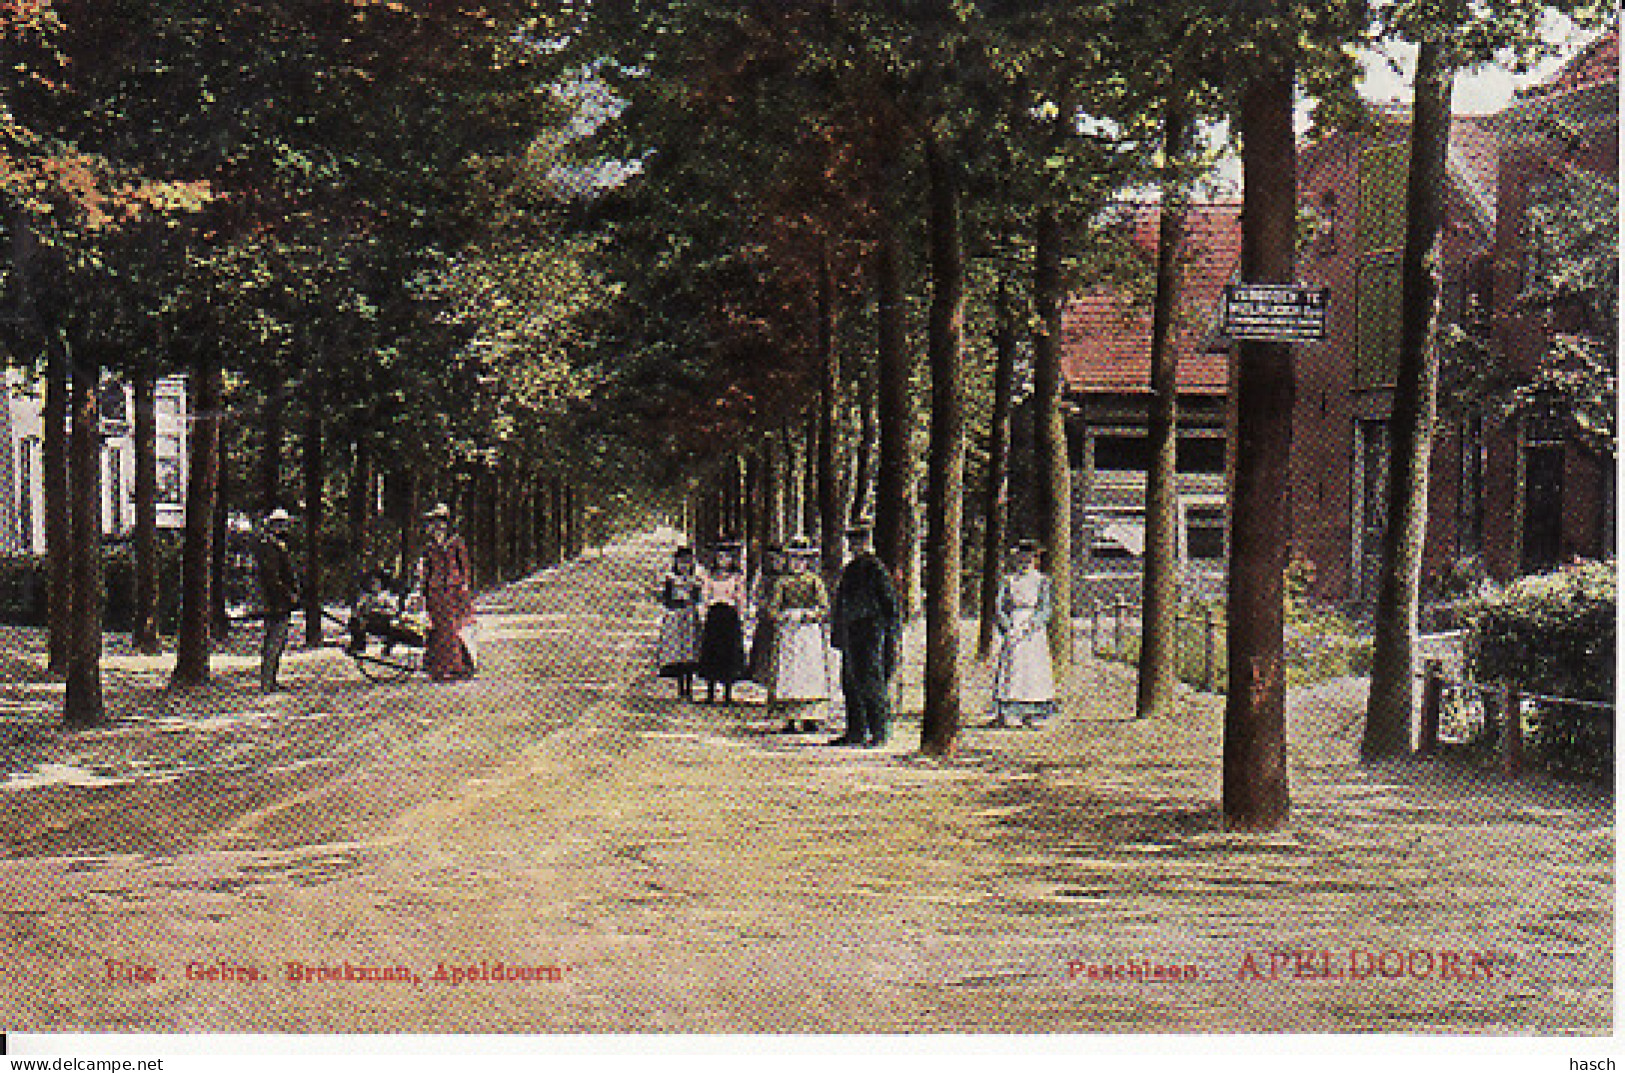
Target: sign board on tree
(1275, 312)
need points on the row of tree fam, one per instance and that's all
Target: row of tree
(335, 218)
(550, 259)
(819, 193)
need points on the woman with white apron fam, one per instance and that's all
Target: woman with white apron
(798, 674)
(1024, 681)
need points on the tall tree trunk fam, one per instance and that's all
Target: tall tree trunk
(58, 527)
(773, 493)
(82, 702)
(1256, 797)
(863, 463)
(996, 493)
(144, 620)
(577, 522)
(493, 490)
(525, 523)
(756, 535)
(273, 429)
(945, 505)
(1388, 708)
(474, 515)
(507, 519)
(555, 520)
(220, 621)
(572, 521)
(894, 479)
(1159, 592)
(314, 464)
(192, 643)
(506, 531)
(409, 502)
(362, 499)
(809, 482)
(561, 524)
(829, 402)
(1054, 465)
(54, 479)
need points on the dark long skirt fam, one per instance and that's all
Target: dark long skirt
(722, 646)
(761, 651)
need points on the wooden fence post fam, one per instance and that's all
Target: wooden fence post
(1208, 651)
(1094, 628)
(1432, 695)
(1512, 730)
(1117, 628)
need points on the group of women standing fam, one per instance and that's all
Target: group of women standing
(702, 633)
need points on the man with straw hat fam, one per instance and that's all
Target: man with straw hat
(279, 591)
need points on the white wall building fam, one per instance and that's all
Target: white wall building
(22, 456)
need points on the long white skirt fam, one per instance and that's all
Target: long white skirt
(1024, 672)
(800, 661)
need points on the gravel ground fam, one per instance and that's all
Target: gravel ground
(562, 846)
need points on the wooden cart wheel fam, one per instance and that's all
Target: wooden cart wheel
(381, 662)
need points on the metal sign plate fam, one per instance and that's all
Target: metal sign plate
(1275, 312)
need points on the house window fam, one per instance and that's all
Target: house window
(27, 468)
(1326, 238)
(1121, 453)
(169, 470)
(1117, 534)
(1542, 506)
(115, 489)
(1470, 520)
(1383, 180)
(1205, 532)
(1200, 454)
(1376, 322)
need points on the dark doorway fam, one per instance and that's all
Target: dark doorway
(1542, 507)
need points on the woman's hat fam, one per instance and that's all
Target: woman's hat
(439, 512)
(802, 548)
(1029, 545)
(278, 517)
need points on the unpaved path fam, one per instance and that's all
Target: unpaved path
(656, 865)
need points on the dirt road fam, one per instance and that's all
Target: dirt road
(560, 846)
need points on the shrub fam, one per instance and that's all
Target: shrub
(22, 590)
(118, 584)
(1553, 634)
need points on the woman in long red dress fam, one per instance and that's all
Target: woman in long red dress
(448, 584)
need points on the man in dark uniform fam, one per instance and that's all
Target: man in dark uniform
(864, 625)
(279, 589)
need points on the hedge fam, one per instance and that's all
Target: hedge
(1553, 634)
(23, 587)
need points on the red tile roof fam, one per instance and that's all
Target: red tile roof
(1597, 62)
(1106, 333)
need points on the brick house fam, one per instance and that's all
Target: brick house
(1513, 496)
(1551, 498)
(1351, 187)
(1106, 360)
